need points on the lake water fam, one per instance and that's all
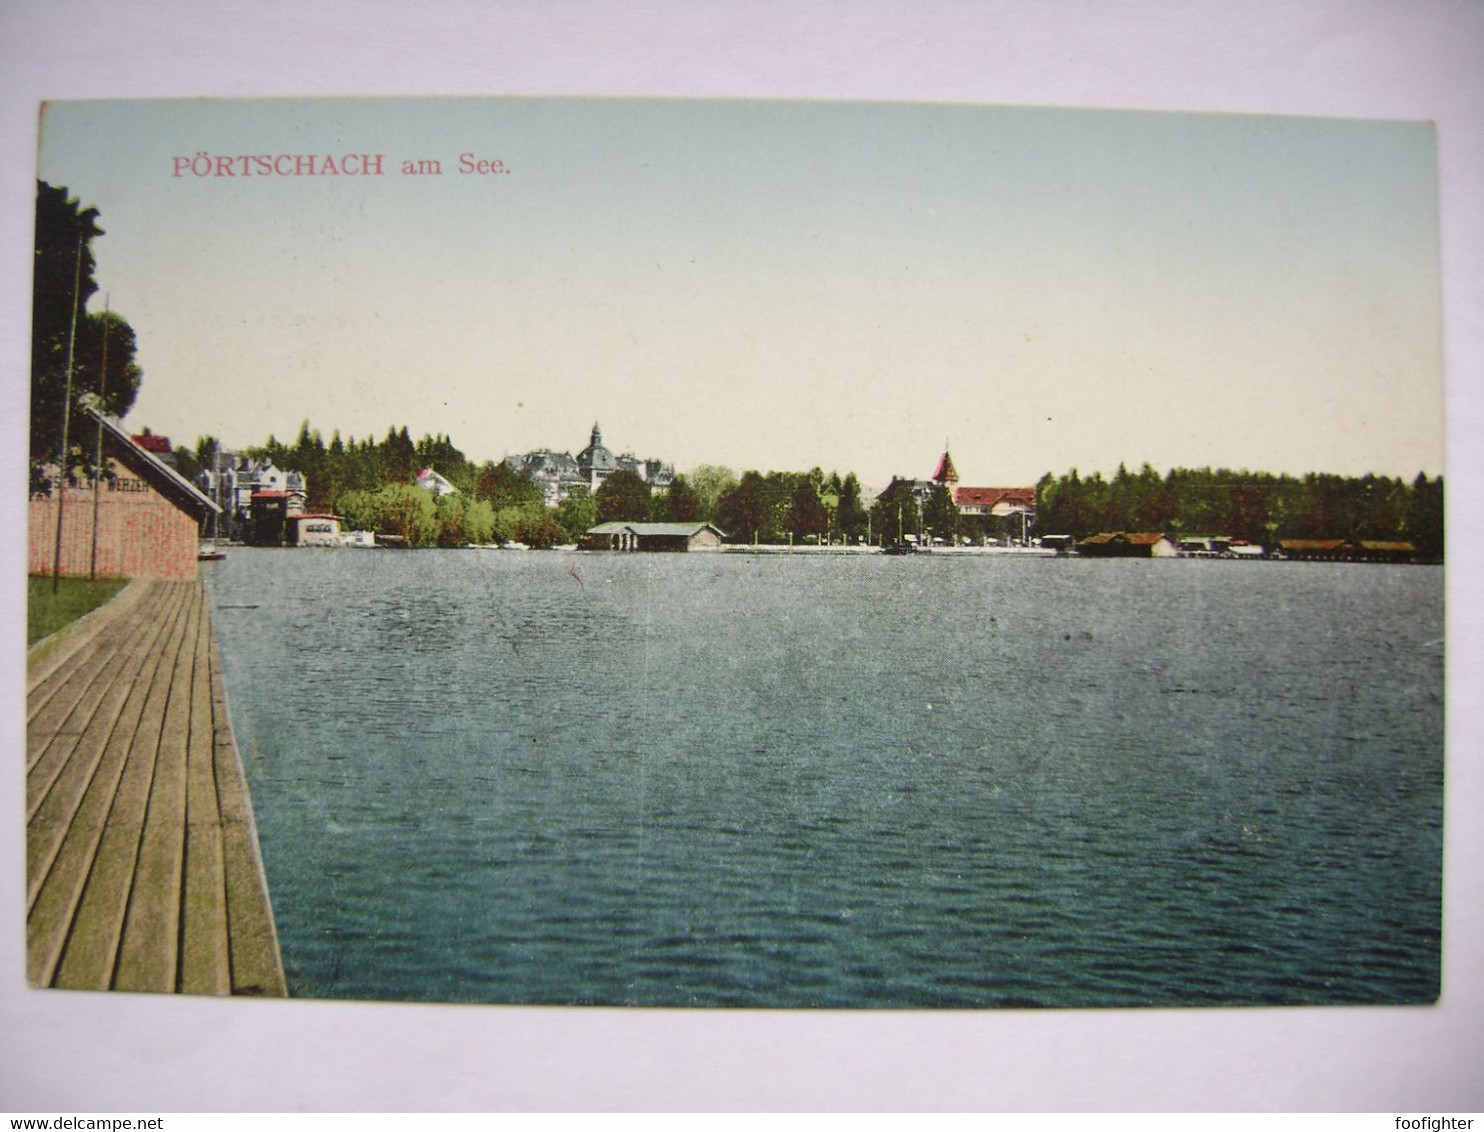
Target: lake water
(728, 779)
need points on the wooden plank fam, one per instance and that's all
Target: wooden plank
(148, 950)
(257, 966)
(205, 957)
(206, 964)
(52, 654)
(144, 869)
(53, 751)
(55, 805)
(87, 887)
(49, 701)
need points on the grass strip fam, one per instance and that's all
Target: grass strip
(46, 612)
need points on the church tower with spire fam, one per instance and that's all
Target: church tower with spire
(946, 474)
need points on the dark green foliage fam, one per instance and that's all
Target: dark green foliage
(1424, 517)
(752, 511)
(807, 518)
(940, 518)
(202, 458)
(540, 530)
(502, 486)
(679, 504)
(438, 453)
(850, 514)
(463, 521)
(710, 482)
(1253, 506)
(895, 514)
(622, 496)
(398, 457)
(779, 507)
(577, 513)
(103, 350)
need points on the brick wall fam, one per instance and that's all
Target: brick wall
(140, 532)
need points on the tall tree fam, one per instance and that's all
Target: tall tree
(408, 512)
(895, 514)
(850, 514)
(308, 457)
(679, 504)
(1424, 521)
(102, 346)
(398, 457)
(622, 496)
(940, 516)
(577, 513)
(710, 482)
(502, 486)
(749, 511)
(807, 516)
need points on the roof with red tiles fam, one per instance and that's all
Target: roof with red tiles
(990, 496)
(159, 445)
(946, 472)
(1311, 543)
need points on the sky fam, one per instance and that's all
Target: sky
(780, 285)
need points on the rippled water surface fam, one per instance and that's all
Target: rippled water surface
(723, 779)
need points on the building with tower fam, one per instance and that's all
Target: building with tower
(557, 473)
(994, 513)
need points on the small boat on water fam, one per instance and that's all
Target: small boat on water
(209, 552)
(900, 548)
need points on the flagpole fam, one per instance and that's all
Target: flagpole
(66, 418)
(98, 448)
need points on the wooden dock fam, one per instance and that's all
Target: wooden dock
(142, 863)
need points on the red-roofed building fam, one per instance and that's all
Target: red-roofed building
(159, 445)
(429, 480)
(141, 519)
(946, 473)
(269, 515)
(994, 500)
(996, 512)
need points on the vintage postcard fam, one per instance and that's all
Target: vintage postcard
(638, 552)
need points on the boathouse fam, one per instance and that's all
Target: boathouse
(1314, 549)
(1121, 544)
(653, 537)
(1381, 550)
(313, 530)
(1346, 550)
(268, 518)
(141, 520)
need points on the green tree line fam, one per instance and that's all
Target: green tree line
(1255, 506)
(369, 482)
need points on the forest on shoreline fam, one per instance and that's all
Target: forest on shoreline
(369, 483)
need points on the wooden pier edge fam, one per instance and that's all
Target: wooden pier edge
(144, 870)
(257, 961)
